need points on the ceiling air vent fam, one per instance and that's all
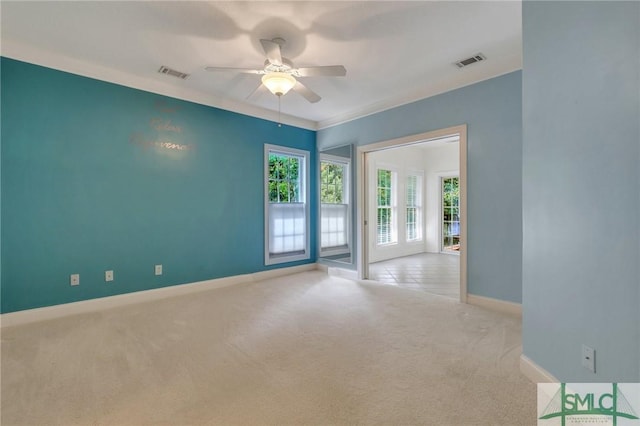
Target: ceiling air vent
(472, 60)
(172, 73)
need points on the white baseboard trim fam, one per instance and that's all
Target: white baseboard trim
(84, 306)
(342, 273)
(382, 253)
(495, 304)
(534, 372)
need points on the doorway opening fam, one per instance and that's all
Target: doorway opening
(404, 224)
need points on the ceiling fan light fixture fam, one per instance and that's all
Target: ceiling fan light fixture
(278, 83)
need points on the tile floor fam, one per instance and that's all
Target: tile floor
(430, 272)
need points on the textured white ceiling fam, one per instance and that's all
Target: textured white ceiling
(394, 52)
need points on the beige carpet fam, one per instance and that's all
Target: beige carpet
(304, 349)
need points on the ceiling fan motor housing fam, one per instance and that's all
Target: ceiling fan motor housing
(286, 67)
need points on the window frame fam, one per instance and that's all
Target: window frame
(393, 207)
(418, 205)
(304, 189)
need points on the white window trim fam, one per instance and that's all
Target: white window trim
(346, 191)
(421, 207)
(268, 260)
(394, 204)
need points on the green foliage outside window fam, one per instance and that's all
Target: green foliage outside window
(384, 206)
(331, 183)
(451, 214)
(384, 187)
(451, 189)
(284, 178)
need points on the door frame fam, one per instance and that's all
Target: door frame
(362, 187)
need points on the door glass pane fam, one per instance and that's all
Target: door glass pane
(384, 219)
(450, 214)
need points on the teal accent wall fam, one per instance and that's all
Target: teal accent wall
(97, 176)
(492, 110)
(581, 188)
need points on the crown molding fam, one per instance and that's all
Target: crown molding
(458, 82)
(30, 54)
(36, 56)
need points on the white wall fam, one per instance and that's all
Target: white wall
(433, 163)
(438, 162)
(402, 161)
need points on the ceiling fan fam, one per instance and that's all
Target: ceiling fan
(279, 74)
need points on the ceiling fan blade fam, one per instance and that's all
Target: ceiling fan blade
(231, 69)
(328, 71)
(272, 50)
(259, 91)
(307, 93)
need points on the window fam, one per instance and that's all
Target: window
(385, 211)
(286, 202)
(414, 208)
(334, 205)
(450, 214)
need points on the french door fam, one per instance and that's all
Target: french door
(450, 241)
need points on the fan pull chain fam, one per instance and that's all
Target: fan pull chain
(279, 121)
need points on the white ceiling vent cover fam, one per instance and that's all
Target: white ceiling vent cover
(472, 60)
(172, 72)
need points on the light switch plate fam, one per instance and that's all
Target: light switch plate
(108, 275)
(74, 279)
(158, 269)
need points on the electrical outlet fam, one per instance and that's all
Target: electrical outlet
(589, 358)
(108, 275)
(74, 279)
(158, 269)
